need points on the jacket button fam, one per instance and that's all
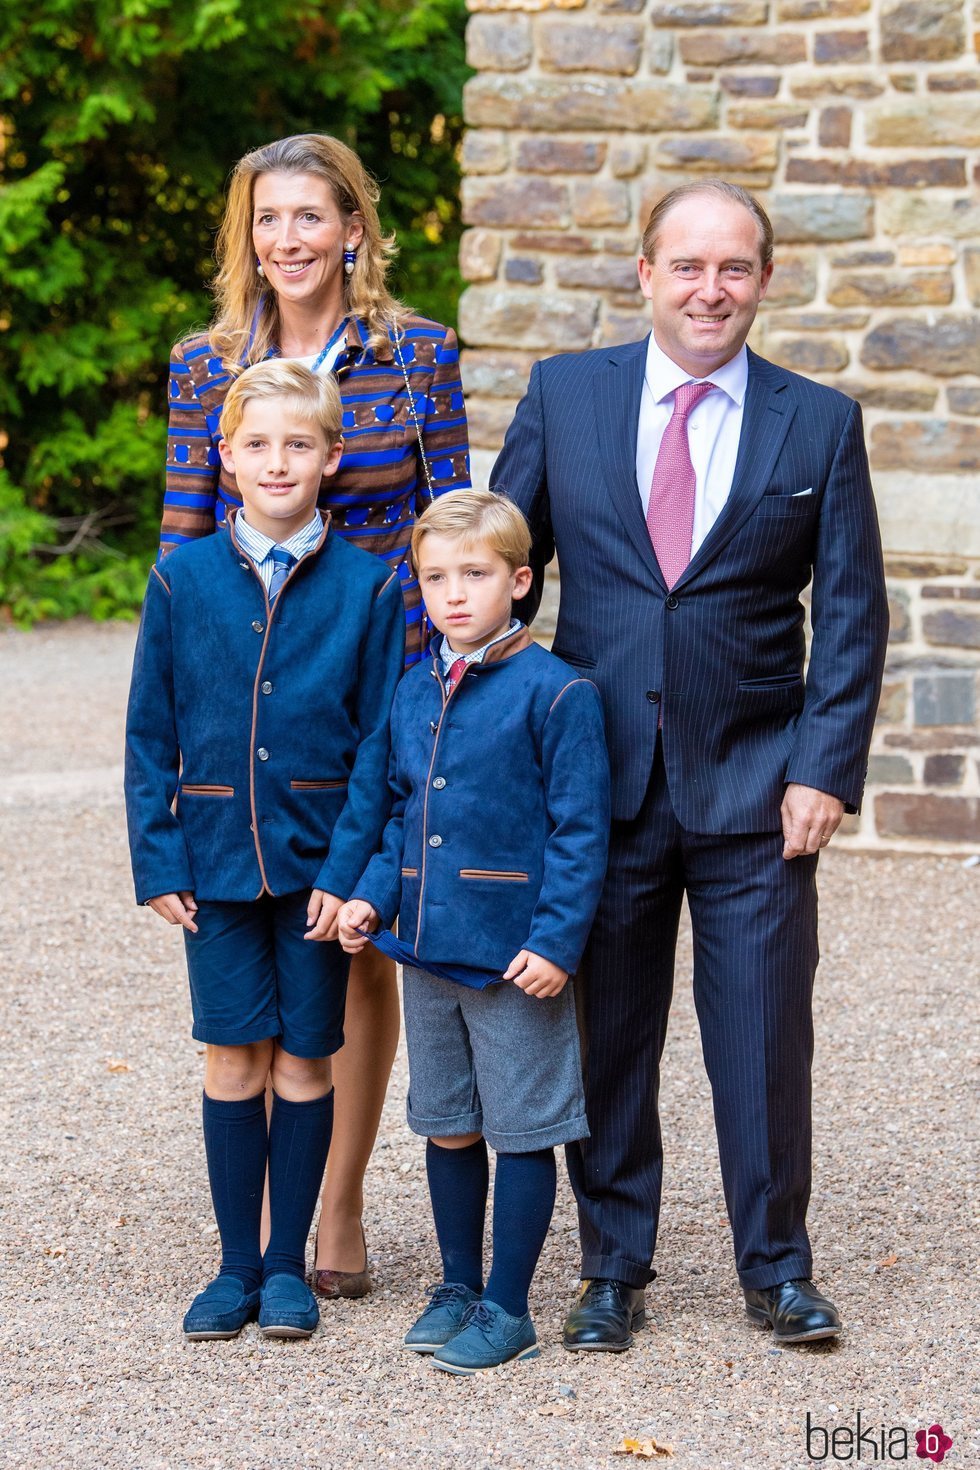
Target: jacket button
(672, 602)
(262, 753)
(439, 783)
(258, 627)
(653, 695)
(435, 840)
(266, 686)
(432, 727)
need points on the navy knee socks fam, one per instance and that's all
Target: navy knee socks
(236, 1142)
(458, 1183)
(523, 1202)
(299, 1140)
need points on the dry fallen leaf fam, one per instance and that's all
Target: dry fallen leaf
(891, 1260)
(554, 1410)
(114, 1064)
(54, 1250)
(645, 1449)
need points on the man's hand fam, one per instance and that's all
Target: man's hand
(810, 819)
(321, 915)
(176, 908)
(536, 975)
(356, 914)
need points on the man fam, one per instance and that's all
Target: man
(691, 489)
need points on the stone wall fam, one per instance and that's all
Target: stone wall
(857, 122)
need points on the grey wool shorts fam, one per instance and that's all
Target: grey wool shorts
(493, 1061)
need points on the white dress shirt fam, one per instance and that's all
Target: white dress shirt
(713, 430)
(257, 545)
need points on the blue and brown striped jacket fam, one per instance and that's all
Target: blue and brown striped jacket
(380, 487)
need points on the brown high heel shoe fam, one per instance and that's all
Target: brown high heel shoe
(348, 1284)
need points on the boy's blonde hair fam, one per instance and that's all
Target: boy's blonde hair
(314, 397)
(469, 516)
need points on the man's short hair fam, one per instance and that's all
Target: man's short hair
(471, 516)
(313, 397)
(734, 193)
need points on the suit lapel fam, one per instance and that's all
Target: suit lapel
(769, 411)
(618, 388)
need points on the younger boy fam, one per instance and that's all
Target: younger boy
(267, 658)
(493, 859)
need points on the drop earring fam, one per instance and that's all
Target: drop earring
(258, 268)
(350, 256)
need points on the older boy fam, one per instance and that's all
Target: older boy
(265, 668)
(493, 860)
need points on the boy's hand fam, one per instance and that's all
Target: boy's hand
(321, 915)
(536, 975)
(176, 908)
(353, 916)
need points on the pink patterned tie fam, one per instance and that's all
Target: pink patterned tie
(456, 671)
(670, 512)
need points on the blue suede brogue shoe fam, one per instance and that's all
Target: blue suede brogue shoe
(220, 1310)
(488, 1338)
(288, 1307)
(794, 1310)
(605, 1317)
(441, 1319)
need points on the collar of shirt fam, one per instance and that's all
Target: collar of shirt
(663, 375)
(257, 545)
(448, 657)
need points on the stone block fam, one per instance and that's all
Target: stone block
(952, 627)
(899, 623)
(836, 48)
(619, 327)
(890, 770)
(741, 86)
(821, 9)
(926, 255)
(834, 127)
(496, 374)
(920, 123)
(544, 155)
(515, 202)
(488, 420)
(717, 154)
(599, 273)
(479, 255)
(821, 321)
(809, 354)
(743, 48)
(485, 151)
(947, 346)
(893, 703)
(939, 818)
(601, 203)
(903, 81)
(621, 7)
(952, 594)
(794, 280)
(782, 117)
(943, 769)
(922, 30)
(908, 173)
(938, 739)
(821, 217)
(606, 46)
(523, 270)
(896, 400)
(954, 81)
(934, 446)
(963, 400)
(480, 5)
(492, 317)
(564, 244)
(944, 698)
(691, 13)
(857, 259)
(971, 268)
(920, 567)
(545, 104)
(862, 85)
(627, 157)
(499, 42)
(890, 288)
(660, 52)
(903, 213)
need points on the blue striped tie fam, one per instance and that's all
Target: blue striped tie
(284, 561)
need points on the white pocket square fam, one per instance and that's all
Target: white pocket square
(797, 493)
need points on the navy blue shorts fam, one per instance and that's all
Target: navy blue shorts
(254, 976)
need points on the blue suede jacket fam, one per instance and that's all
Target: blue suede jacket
(500, 820)
(268, 724)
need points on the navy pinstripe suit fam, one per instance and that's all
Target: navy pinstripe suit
(696, 803)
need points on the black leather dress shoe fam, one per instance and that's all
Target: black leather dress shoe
(604, 1318)
(794, 1310)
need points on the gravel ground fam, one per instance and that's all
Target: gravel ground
(108, 1230)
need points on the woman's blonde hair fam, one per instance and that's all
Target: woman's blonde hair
(238, 288)
(313, 397)
(476, 516)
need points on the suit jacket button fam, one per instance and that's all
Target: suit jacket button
(266, 686)
(439, 784)
(435, 840)
(262, 753)
(432, 727)
(672, 602)
(258, 627)
(653, 695)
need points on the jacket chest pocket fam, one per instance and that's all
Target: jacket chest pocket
(494, 875)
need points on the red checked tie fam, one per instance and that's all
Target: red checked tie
(456, 671)
(670, 512)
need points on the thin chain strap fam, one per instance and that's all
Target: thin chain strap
(412, 411)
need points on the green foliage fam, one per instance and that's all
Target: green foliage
(121, 120)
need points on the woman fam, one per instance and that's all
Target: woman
(302, 266)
